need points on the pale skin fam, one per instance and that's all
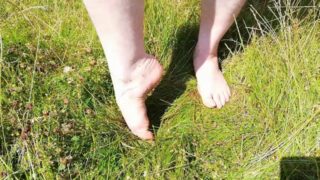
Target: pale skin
(134, 73)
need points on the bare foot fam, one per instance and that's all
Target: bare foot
(132, 91)
(212, 86)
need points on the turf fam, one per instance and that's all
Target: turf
(66, 125)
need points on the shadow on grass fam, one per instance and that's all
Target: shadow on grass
(260, 17)
(296, 168)
(180, 70)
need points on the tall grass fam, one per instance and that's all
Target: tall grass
(64, 125)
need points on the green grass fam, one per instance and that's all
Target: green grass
(57, 125)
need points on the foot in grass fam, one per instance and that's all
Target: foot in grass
(212, 86)
(132, 91)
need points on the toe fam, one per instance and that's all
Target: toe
(228, 91)
(222, 99)
(217, 101)
(143, 134)
(226, 96)
(208, 101)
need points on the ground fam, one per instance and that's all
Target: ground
(59, 118)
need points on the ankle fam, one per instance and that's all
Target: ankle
(124, 72)
(138, 78)
(202, 55)
(204, 52)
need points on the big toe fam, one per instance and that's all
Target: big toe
(208, 101)
(144, 134)
(139, 126)
(135, 114)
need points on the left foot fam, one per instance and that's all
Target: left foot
(132, 92)
(212, 86)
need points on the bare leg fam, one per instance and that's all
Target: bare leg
(216, 18)
(119, 24)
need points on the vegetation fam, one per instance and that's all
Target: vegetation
(59, 119)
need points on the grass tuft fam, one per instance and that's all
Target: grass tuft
(59, 118)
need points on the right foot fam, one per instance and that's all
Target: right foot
(131, 93)
(212, 86)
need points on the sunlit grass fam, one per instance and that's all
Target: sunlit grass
(65, 124)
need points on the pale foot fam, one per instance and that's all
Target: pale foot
(212, 86)
(132, 91)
